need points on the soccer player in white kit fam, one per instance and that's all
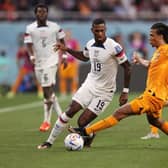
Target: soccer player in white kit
(40, 37)
(98, 89)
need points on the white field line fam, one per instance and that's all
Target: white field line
(26, 106)
(21, 107)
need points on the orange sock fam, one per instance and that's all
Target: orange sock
(164, 127)
(102, 124)
(154, 130)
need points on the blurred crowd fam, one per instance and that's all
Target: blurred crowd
(67, 79)
(126, 9)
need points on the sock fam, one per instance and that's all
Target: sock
(164, 127)
(47, 111)
(102, 124)
(154, 130)
(56, 105)
(59, 126)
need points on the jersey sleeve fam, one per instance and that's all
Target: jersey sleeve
(60, 33)
(27, 36)
(86, 52)
(119, 54)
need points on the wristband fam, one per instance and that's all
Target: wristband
(126, 90)
(64, 56)
(32, 57)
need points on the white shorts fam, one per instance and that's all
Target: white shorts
(46, 77)
(95, 103)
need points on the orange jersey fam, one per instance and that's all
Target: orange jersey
(157, 81)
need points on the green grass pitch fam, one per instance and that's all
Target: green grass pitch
(117, 147)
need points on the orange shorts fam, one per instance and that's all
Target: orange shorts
(70, 72)
(147, 103)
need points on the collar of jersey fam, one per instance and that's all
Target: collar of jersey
(98, 45)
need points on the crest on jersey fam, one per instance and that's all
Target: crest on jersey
(45, 77)
(118, 49)
(96, 53)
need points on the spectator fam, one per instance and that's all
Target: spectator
(4, 71)
(70, 74)
(137, 42)
(25, 67)
(9, 7)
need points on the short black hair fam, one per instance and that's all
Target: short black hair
(40, 5)
(98, 21)
(162, 29)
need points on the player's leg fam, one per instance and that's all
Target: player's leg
(137, 106)
(80, 100)
(84, 120)
(121, 113)
(46, 77)
(48, 105)
(61, 123)
(158, 122)
(74, 76)
(54, 98)
(153, 130)
(15, 86)
(39, 88)
(63, 81)
(95, 108)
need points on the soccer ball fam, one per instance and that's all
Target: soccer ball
(73, 142)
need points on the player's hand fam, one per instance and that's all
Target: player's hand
(59, 46)
(136, 58)
(32, 59)
(64, 62)
(123, 98)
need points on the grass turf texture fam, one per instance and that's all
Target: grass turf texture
(118, 147)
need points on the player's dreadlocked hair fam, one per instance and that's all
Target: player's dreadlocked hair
(98, 21)
(40, 5)
(162, 29)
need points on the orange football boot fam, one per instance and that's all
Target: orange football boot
(45, 126)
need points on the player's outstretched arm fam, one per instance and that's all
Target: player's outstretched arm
(127, 76)
(77, 54)
(137, 59)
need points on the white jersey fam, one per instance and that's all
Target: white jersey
(43, 39)
(104, 60)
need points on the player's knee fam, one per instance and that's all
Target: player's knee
(47, 95)
(82, 121)
(154, 122)
(122, 112)
(72, 110)
(119, 115)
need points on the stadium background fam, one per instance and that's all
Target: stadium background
(123, 17)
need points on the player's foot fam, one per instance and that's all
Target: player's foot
(45, 126)
(10, 95)
(80, 131)
(45, 145)
(151, 135)
(88, 139)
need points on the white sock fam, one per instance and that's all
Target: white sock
(47, 112)
(56, 105)
(59, 126)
